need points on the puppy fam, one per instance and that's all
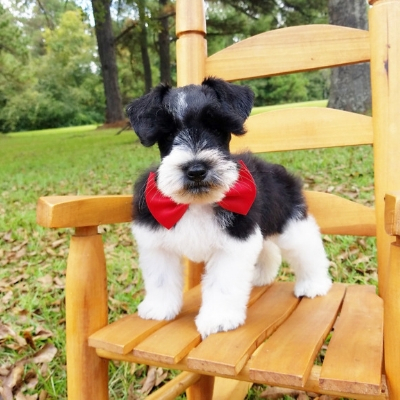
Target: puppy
(235, 212)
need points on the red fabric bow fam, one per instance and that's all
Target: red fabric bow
(239, 199)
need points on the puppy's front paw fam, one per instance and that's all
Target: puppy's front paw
(159, 309)
(311, 288)
(213, 321)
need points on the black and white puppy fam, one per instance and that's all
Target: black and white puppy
(235, 212)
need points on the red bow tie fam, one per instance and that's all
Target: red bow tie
(238, 199)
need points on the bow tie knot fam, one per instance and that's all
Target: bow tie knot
(239, 199)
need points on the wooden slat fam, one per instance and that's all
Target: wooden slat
(78, 211)
(287, 357)
(170, 343)
(338, 216)
(359, 327)
(303, 128)
(288, 50)
(174, 341)
(227, 352)
(123, 335)
(312, 384)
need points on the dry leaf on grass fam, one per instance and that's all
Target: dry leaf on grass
(44, 355)
(272, 393)
(154, 377)
(15, 381)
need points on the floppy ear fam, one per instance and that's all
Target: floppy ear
(233, 98)
(148, 117)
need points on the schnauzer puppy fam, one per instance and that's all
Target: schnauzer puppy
(235, 212)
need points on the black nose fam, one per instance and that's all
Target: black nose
(196, 172)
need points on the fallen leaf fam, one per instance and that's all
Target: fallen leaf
(14, 378)
(278, 392)
(7, 297)
(149, 381)
(46, 280)
(29, 339)
(58, 243)
(44, 355)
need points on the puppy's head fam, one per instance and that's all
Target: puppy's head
(192, 126)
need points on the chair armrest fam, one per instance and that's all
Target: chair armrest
(81, 211)
(392, 213)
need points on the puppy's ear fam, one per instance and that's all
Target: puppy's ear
(233, 98)
(148, 117)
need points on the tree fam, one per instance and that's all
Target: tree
(350, 85)
(62, 87)
(144, 46)
(164, 41)
(14, 71)
(105, 44)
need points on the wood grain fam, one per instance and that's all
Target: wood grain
(80, 211)
(338, 216)
(384, 26)
(392, 321)
(359, 327)
(293, 49)
(392, 213)
(227, 352)
(174, 341)
(286, 358)
(124, 334)
(86, 312)
(303, 128)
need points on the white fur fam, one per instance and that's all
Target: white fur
(302, 247)
(229, 273)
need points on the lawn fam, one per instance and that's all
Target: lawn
(88, 161)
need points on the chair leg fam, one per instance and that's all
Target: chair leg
(392, 322)
(202, 389)
(86, 312)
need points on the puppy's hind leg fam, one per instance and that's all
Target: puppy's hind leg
(301, 245)
(268, 263)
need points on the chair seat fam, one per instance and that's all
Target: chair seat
(278, 344)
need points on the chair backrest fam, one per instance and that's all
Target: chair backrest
(322, 46)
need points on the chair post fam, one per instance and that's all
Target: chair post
(384, 17)
(86, 312)
(385, 73)
(191, 46)
(392, 322)
(191, 53)
(201, 390)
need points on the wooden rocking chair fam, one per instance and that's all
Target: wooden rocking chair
(282, 334)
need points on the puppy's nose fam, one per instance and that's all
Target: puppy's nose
(196, 172)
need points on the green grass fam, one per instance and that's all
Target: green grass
(314, 103)
(88, 161)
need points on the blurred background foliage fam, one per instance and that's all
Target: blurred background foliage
(51, 64)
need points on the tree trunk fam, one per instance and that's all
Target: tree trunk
(350, 85)
(144, 48)
(163, 41)
(105, 43)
